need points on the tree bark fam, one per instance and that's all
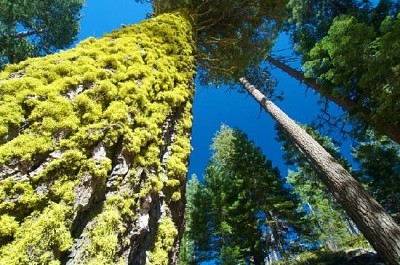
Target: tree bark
(382, 232)
(353, 108)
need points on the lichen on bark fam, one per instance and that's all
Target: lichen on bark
(94, 145)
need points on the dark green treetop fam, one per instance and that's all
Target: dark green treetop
(361, 64)
(241, 211)
(379, 168)
(36, 27)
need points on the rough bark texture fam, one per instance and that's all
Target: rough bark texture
(376, 225)
(362, 113)
(94, 146)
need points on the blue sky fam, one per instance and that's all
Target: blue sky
(213, 107)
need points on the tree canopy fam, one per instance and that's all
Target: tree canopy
(349, 49)
(231, 35)
(36, 27)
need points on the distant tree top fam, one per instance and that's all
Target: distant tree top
(36, 27)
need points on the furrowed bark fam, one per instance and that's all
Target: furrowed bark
(382, 232)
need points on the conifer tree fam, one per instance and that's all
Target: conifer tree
(381, 231)
(329, 226)
(350, 57)
(379, 168)
(241, 213)
(36, 27)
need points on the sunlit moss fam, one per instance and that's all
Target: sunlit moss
(8, 226)
(104, 236)
(38, 236)
(165, 240)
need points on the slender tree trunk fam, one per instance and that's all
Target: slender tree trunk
(382, 232)
(353, 108)
(94, 146)
(274, 225)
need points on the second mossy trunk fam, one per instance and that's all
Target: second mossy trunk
(94, 145)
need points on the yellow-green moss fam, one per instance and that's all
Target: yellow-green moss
(8, 226)
(104, 237)
(181, 148)
(38, 236)
(57, 109)
(166, 235)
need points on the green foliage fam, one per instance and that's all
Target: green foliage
(241, 211)
(379, 168)
(36, 27)
(309, 21)
(65, 117)
(349, 49)
(317, 257)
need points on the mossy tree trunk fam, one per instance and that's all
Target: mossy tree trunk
(381, 231)
(94, 145)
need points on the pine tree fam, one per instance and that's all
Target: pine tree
(329, 225)
(381, 231)
(242, 212)
(356, 111)
(36, 27)
(350, 57)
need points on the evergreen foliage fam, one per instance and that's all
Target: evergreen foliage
(36, 27)
(359, 63)
(242, 211)
(231, 35)
(379, 168)
(349, 48)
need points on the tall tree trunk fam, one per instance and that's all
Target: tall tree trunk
(377, 226)
(353, 108)
(94, 145)
(274, 225)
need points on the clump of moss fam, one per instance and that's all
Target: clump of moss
(177, 161)
(8, 226)
(166, 235)
(38, 236)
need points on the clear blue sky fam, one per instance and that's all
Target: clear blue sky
(213, 107)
